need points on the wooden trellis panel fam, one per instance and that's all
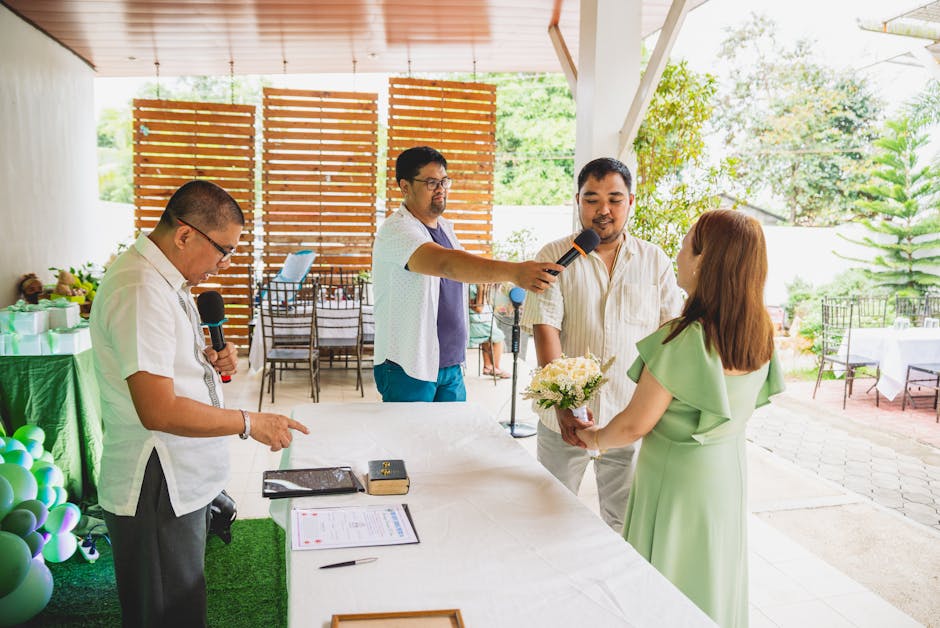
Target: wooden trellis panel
(459, 120)
(176, 142)
(319, 176)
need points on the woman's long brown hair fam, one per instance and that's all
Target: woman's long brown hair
(728, 298)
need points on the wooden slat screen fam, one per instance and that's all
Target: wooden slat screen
(459, 120)
(319, 176)
(176, 142)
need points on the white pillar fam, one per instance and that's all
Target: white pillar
(609, 56)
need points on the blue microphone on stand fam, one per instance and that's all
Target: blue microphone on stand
(520, 430)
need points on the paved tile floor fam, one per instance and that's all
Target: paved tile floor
(790, 584)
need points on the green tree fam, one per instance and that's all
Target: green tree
(674, 184)
(115, 151)
(796, 127)
(903, 198)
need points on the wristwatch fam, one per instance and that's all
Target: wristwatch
(244, 435)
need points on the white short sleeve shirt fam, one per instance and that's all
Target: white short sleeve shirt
(406, 302)
(606, 314)
(144, 318)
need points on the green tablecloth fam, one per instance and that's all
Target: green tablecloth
(59, 393)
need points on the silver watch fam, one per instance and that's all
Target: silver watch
(244, 435)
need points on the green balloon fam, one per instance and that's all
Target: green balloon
(46, 456)
(23, 483)
(39, 509)
(47, 495)
(20, 522)
(20, 457)
(60, 547)
(6, 497)
(34, 448)
(29, 598)
(30, 432)
(13, 445)
(35, 542)
(47, 474)
(14, 563)
(62, 518)
(61, 495)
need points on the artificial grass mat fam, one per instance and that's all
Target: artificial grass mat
(247, 583)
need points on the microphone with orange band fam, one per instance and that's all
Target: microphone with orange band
(584, 243)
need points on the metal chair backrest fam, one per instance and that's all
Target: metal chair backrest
(932, 306)
(339, 314)
(288, 313)
(837, 319)
(871, 311)
(911, 308)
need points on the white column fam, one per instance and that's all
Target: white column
(608, 76)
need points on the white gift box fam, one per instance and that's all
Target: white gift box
(6, 320)
(30, 323)
(64, 314)
(34, 344)
(70, 341)
(9, 343)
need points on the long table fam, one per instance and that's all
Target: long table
(895, 349)
(501, 539)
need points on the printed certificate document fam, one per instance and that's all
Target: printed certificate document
(352, 526)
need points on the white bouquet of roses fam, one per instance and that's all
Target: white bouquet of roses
(568, 383)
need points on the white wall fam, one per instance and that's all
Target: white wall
(48, 180)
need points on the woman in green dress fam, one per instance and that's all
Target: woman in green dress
(699, 378)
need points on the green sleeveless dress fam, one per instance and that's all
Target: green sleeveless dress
(687, 509)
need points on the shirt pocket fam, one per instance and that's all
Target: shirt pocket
(639, 307)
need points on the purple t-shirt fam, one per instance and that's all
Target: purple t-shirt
(451, 317)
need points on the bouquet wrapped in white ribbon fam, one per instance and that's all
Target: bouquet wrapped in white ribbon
(568, 383)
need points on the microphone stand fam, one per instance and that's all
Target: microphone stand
(520, 430)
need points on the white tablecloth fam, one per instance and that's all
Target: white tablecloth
(325, 331)
(895, 349)
(501, 539)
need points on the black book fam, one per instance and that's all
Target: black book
(304, 482)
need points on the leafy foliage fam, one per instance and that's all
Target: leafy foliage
(796, 127)
(518, 246)
(902, 199)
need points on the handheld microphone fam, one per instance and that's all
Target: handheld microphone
(212, 312)
(584, 243)
(516, 297)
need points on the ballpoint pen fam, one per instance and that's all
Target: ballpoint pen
(349, 563)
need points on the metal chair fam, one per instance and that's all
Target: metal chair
(837, 323)
(911, 308)
(871, 311)
(339, 324)
(482, 313)
(932, 306)
(366, 323)
(931, 383)
(288, 325)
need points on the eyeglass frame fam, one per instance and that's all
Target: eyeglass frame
(226, 253)
(437, 182)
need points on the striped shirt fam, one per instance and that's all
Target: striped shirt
(606, 314)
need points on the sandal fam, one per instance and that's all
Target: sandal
(500, 374)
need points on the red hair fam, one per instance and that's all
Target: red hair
(728, 298)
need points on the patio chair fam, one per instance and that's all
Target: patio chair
(339, 324)
(930, 382)
(932, 306)
(911, 308)
(837, 323)
(288, 326)
(482, 317)
(871, 311)
(366, 324)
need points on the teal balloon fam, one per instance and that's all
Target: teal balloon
(35, 542)
(28, 599)
(20, 457)
(61, 495)
(39, 509)
(30, 432)
(47, 495)
(34, 448)
(62, 518)
(6, 497)
(23, 483)
(47, 474)
(60, 547)
(46, 456)
(12, 445)
(20, 522)
(14, 563)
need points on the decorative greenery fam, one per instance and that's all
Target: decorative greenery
(518, 246)
(797, 128)
(903, 202)
(803, 302)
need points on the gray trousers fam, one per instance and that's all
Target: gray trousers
(159, 558)
(614, 471)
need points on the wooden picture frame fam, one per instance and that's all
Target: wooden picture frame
(447, 618)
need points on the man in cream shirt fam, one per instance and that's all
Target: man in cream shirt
(603, 303)
(165, 451)
(418, 271)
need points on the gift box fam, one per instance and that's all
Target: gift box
(30, 322)
(6, 319)
(69, 341)
(63, 314)
(34, 344)
(9, 343)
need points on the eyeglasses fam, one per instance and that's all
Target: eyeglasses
(226, 253)
(432, 184)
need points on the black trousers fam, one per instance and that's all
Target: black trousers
(159, 558)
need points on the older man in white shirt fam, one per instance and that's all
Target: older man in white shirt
(165, 452)
(604, 304)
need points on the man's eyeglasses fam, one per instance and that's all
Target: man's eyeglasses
(226, 253)
(432, 184)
